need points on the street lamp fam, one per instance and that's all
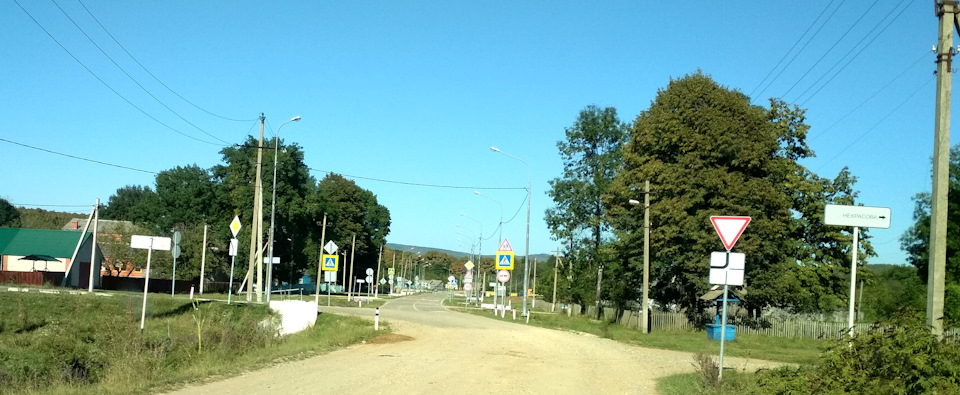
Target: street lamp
(646, 254)
(273, 206)
(526, 259)
(500, 236)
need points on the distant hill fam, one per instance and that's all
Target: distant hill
(458, 254)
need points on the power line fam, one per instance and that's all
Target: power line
(820, 133)
(803, 47)
(130, 76)
(151, 74)
(49, 205)
(815, 64)
(799, 39)
(102, 81)
(857, 54)
(420, 184)
(875, 125)
(77, 157)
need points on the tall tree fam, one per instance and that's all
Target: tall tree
(592, 156)
(917, 238)
(352, 210)
(9, 216)
(707, 151)
(132, 203)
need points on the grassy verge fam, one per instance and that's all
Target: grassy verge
(734, 382)
(79, 344)
(793, 350)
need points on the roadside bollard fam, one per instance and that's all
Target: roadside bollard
(514, 314)
(191, 292)
(376, 320)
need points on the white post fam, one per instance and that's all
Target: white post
(203, 257)
(230, 286)
(376, 320)
(723, 319)
(146, 284)
(191, 292)
(93, 245)
(853, 275)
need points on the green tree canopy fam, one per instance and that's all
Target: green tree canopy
(9, 216)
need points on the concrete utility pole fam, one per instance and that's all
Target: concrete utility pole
(947, 13)
(556, 265)
(323, 241)
(646, 257)
(257, 219)
(353, 248)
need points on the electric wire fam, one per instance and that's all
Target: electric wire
(794, 57)
(130, 76)
(419, 184)
(151, 74)
(829, 50)
(35, 21)
(77, 157)
(865, 133)
(49, 205)
(799, 39)
(813, 137)
(890, 23)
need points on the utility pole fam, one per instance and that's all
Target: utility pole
(256, 237)
(646, 257)
(947, 13)
(353, 248)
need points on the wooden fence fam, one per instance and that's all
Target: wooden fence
(778, 327)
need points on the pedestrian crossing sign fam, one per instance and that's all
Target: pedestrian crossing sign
(330, 262)
(504, 260)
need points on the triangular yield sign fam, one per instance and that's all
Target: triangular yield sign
(505, 246)
(729, 229)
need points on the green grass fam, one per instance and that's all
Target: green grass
(92, 344)
(734, 382)
(792, 350)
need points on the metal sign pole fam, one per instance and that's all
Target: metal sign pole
(146, 283)
(233, 259)
(723, 322)
(853, 276)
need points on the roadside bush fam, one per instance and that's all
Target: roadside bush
(899, 357)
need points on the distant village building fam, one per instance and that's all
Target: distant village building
(109, 232)
(42, 256)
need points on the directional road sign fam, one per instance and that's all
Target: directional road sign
(235, 225)
(729, 229)
(148, 242)
(505, 260)
(862, 216)
(727, 273)
(331, 262)
(330, 247)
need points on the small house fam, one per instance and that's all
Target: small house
(42, 256)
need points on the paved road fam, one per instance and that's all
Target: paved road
(437, 351)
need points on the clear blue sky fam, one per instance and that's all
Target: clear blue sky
(418, 91)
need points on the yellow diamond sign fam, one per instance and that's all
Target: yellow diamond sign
(235, 225)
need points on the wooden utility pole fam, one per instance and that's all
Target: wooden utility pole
(256, 236)
(947, 13)
(323, 237)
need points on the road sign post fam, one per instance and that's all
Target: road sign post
(729, 229)
(148, 243)
(175, 251)
(857, 217)
(234, 228)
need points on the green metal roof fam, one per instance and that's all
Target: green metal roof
(23, 242)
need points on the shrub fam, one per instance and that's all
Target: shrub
(899, 357)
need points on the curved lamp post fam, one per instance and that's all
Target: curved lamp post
(500, 240)
(273, 207)
(526, 259)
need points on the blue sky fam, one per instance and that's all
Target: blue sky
(417, 92)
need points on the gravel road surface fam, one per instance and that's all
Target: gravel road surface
(437, 351)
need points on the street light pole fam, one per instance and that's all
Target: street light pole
(479, 239)
(273, 208)
(500, 236)
(526, 259)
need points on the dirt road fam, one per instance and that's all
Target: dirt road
(436, 351)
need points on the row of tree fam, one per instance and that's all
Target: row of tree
(187, 198)
(706, 150)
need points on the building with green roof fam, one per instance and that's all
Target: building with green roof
(49, 251)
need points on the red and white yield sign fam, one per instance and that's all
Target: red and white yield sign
(729, 228)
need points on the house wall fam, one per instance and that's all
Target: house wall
(83, 260)
(12, 263)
